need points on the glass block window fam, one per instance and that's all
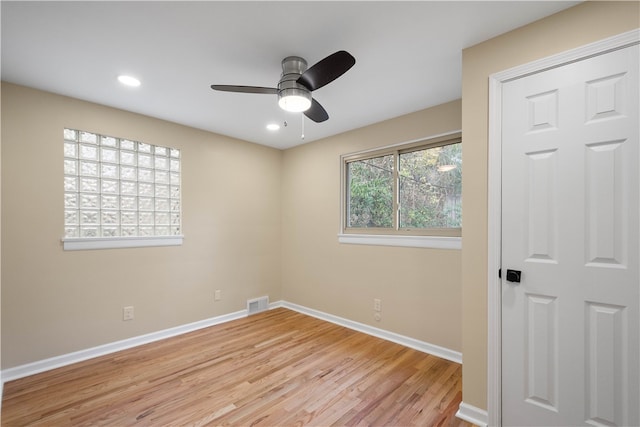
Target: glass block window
(115, 187)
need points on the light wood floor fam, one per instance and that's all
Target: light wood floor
(276, 368)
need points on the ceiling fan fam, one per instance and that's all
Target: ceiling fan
(297, 82)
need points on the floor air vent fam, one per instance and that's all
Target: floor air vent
(257, 305)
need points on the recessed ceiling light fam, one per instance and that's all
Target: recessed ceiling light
(129, 81)
(273, 126)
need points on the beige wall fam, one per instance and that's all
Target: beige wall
(257, 221)
(580, 25)
(420, 289)
(55, 302)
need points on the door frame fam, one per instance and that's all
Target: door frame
(494, 254)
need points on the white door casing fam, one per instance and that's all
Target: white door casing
(568, 200)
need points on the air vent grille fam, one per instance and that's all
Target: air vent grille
(257, 305)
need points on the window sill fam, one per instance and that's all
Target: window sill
(78, 244)
(434, 242)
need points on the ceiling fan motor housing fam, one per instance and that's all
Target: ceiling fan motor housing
(289, 90)
(298, 81)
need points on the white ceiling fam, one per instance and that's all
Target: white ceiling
(408, 56)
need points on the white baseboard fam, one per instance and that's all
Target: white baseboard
(425, 347)
(472, 414)
(79, 356)
(101, 350)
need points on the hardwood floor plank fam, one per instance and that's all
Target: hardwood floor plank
(276, 368)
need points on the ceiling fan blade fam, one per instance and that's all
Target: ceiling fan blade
(316, 112)
(327, 70)
(245, 89)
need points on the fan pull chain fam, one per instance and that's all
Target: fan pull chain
(302, 136)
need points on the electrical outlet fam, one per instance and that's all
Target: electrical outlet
(217, 295)
(377, 304)
(127, 313)
(377, 316)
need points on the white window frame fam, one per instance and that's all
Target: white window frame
(436, 239)
(88, 243)
(113, 242)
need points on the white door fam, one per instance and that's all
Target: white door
(570, 202)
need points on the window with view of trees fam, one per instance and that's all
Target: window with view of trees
(370, 192)
(412, 189)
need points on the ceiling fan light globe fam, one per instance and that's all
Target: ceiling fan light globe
(294, 100)
(294, 103)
